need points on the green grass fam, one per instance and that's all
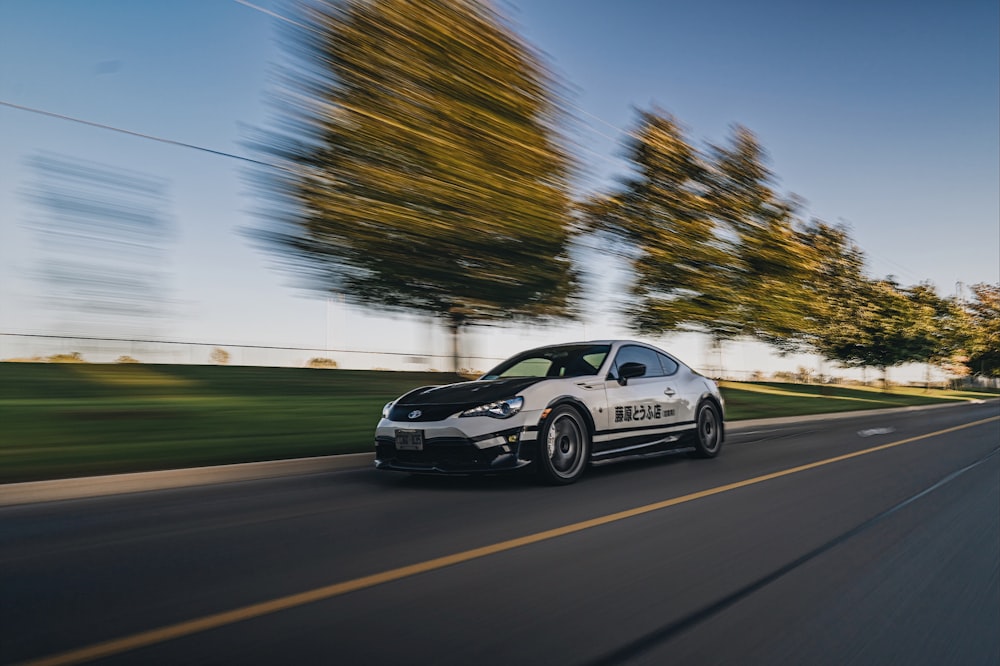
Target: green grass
(745, 400)
(65, 420)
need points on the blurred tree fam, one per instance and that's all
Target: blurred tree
(834, 287)
(956, 370)
(942, 329)
(422, 167)
(887, 330)
(220, 356)
(72, 357)
(713, 248)
(772, 264)
(984, 356)
(682, 265)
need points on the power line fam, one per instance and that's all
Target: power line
(906, 271)
(87, 338)
(172, 142)
(593, 129)
(577, 147)
(901, 267)
(275, 15)
(141, 135)
(90, 123)
(220, 153)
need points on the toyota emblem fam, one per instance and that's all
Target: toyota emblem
(415, 414)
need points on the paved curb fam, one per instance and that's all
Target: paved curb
(116, 484)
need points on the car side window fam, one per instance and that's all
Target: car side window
(670, 366)
(634, 354)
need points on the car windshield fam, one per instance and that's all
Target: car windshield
(560, 361)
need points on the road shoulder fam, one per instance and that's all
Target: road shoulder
(31, 492)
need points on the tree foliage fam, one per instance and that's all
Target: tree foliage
(984, 310)
(680, 261)
(833, 289)
(421, 169)
(942, 329)
(713, 248)
(422, 165)
(892, 325)
(772, 264)
(220, 356)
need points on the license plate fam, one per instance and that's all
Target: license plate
(410, 440)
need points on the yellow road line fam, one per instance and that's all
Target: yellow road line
(146, 638)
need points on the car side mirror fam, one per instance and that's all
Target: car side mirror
(630, 370)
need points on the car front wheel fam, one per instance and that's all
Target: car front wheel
(564, 446)
(708, 437)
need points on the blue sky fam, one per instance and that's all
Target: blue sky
(880, 115)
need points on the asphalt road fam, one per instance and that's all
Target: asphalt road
(892, 556)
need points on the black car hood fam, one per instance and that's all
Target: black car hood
(439, 402)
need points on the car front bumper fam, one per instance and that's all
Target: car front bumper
(447, 450)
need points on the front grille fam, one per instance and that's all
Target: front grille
(446, 454)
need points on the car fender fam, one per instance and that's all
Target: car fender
(714, 399)
(575, 402)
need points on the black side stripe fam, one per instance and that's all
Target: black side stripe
(660, 426)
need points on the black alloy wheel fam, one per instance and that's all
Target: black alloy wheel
(564, 446)
(708, 437)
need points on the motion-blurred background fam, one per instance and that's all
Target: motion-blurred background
(762, 189)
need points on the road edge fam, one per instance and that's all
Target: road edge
(31, 492)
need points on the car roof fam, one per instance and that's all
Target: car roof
(615, 342)
(593, 342)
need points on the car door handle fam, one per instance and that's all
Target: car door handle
(668, 391)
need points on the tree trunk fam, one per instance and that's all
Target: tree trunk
(714, 361)
(824, 387)
(456, 320)
(454, 327)
(885, 378)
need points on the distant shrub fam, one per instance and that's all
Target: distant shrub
(220, 356)
(321, 362)
(126, 359)
(72, 357)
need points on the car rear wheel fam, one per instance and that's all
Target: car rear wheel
(708, 436)
(564, 446)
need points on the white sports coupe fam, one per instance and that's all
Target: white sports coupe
(557, 408)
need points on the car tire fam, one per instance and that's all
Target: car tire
(564, 446)
(708, 431)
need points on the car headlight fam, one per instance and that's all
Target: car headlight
(385, 410)
(501, 409)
